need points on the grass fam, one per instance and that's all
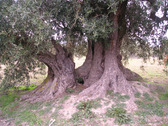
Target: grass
(89, 104)
(163, 96)
(120, 114)
(5, 100)
(137, 95)
(149, 107)
(153, 72)
(84, 111)
(29, 117)
(62, 100)
(43, 113)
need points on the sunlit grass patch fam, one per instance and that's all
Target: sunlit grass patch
(7, 99)
(163, 96)
(29, 117)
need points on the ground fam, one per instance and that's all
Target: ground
(149, 108)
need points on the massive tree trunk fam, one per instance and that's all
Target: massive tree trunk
(83, 71)
(113, 76)
(60, 75)
(97, 64)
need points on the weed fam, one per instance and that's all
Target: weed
(10, 109)
(164, 124)
(48, 103)
(35, 106)
(123, 98)
(64, 99)
(137, 95)
(147, 97)
(7, 99)
(120, 115)
(70, 90)
(139, 83)
(44, 111)
(164, 96)
(119, 105)
(139, 103)
(29, 87)
(109, 92)
(80, 115)
(29, 117)
(145, 85)
(149, 108)
(117, 96)
(86, 105)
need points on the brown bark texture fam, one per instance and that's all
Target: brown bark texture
(83, 71)
(60, 75)
(113, 76)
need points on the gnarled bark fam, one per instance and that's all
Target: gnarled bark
(60, 75)
(112, 77)
(83, 71)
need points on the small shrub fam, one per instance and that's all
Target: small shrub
(139, 103)
(64, 99)
(109, 92)
(70, 90)
(149, 109)
(137, 95)
(120, 115)
(86, 105)
(81, 115)
(123, 98)
(147, 97)
(164, 96)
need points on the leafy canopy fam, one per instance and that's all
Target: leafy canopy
(27, 26)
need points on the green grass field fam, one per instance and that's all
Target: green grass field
(113, 109)
(151, 71)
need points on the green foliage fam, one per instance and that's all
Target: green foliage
(27, 26)
(64, 99)
(109, 92)
(117, 96)
(5, 100)
(147, 97)
(29, 117)
(70, 90)
(44, 111)
(35, 106)
(85, 110)
(164, 124)
(137, 95)
(81, 115)
(149, 108)
(87, 105)
(163, 96)
(120, 115)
